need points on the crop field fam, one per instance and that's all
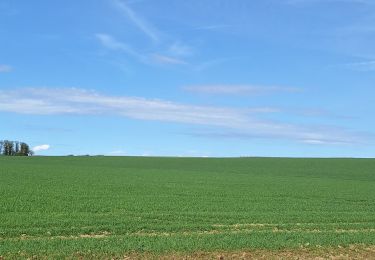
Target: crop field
(57, 207)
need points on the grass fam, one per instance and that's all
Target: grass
(67, 206)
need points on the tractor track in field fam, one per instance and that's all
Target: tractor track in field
(221, 229)
(334, 253)
(354, 251)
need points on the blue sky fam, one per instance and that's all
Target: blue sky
(189, 78)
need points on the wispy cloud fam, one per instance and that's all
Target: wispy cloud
(42, 147)
(319, 113)
(162, 59)
(213, 27)
(164, 52)
(312, 135)
(179, 49)
(80, 101)
(230, 121)
(238, 89)
(312, 141)
(117, 153)
(142, 24)
(5, 68)
(211, 63)
(111, 43)
(361, 66)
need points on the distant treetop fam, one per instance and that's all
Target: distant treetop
(15, 148)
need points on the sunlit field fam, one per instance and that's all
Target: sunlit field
(114, 206)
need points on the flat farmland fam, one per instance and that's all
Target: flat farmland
(112, 207)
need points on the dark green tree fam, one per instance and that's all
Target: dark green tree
(11, 148)
(17, 147)
(8, 148)
(25, 149)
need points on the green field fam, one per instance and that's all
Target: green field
(111, 206)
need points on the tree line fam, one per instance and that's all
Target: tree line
(15, 148)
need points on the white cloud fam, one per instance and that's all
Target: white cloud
(5, 68)
(232, 121)
(142, 24)
(42, 147)
(79, 101)
(238, 89)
